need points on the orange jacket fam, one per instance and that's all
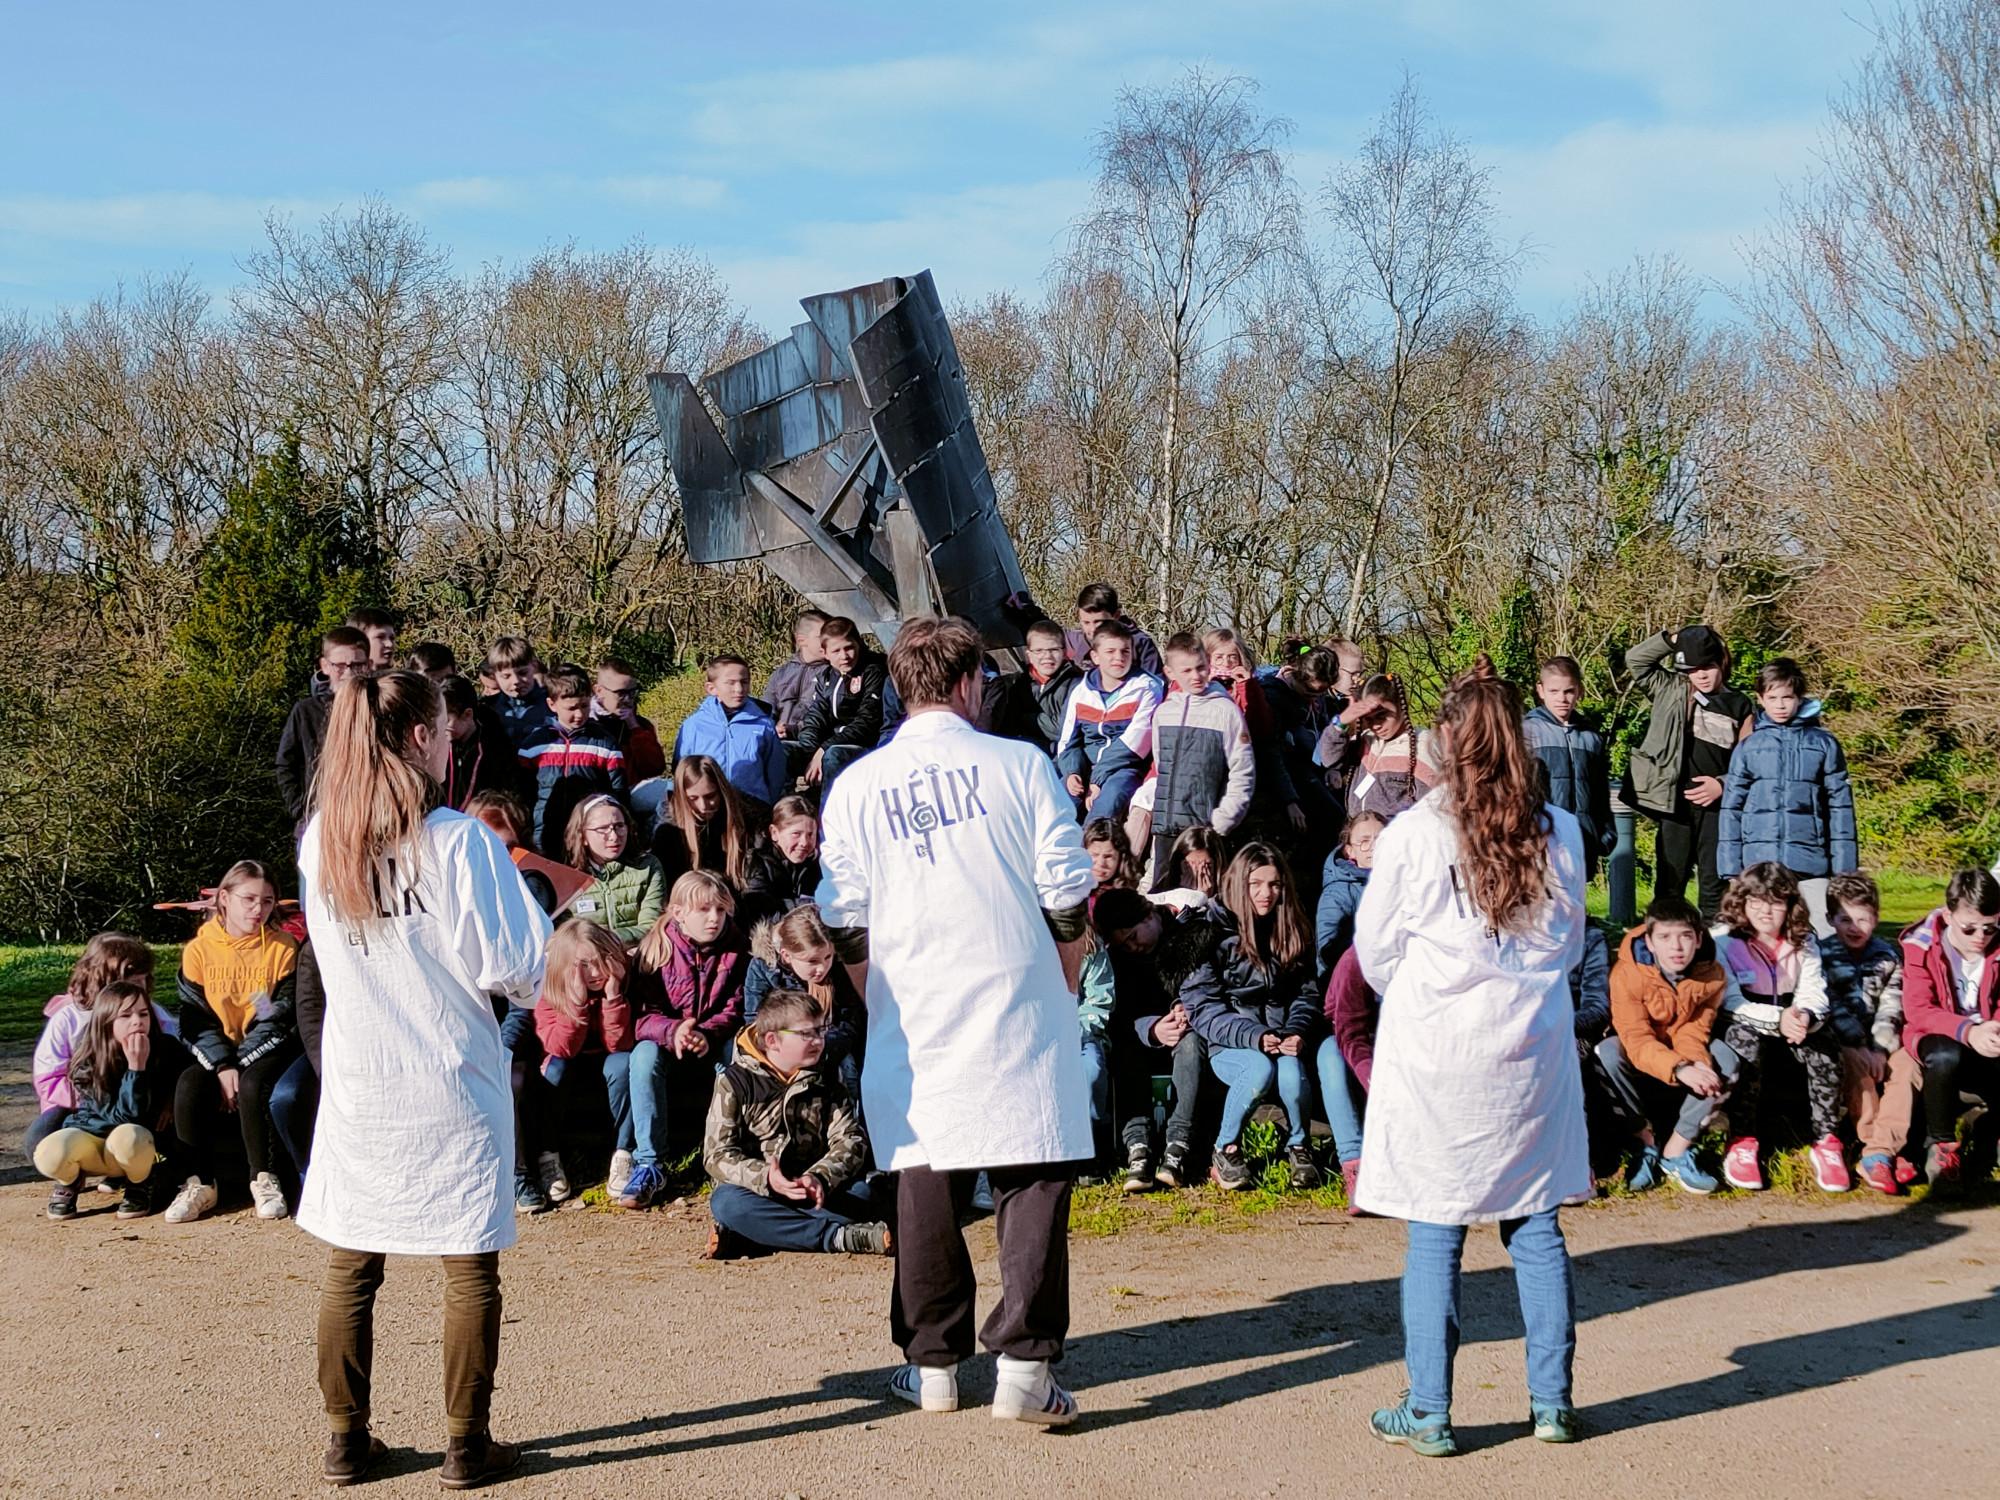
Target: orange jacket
(1659, 1024)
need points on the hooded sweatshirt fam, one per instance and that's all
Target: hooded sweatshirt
(1787, 801)
(57, 1045)
(1663, 1020)
(236, 995)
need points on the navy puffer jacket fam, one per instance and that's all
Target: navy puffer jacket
(1578, 772)
(1787, 801)
(1231, 1002)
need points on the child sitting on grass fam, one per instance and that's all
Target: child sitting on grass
(1666, 991)
(1254, 1002)
(783, 1143)
(1864, 991)
(121, 1076)
(687, 1001)
(1776, 1004)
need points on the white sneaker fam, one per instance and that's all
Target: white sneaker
(620, 1176)
(1026, 1391)
(554, 1181)
(927, 1387)
(193, 1200)
(267, 1195)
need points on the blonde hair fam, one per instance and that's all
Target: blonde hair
(371, 796)
(696, 890)
(576, 943)
(736, 841)
(575, 845)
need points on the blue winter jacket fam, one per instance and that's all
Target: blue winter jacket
(1341, 887)
(745, 744)
(1577, 770)
(1787, 801)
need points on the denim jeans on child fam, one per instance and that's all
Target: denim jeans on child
(1430, 1307)
(558, 1075)
(784, 1224)
(1340, 1095)
(1248, 1072)
(294, 1109)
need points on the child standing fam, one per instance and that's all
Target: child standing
(1341, 888)
(1787, 800)
(121, 1079)
(519, 701)
(844, 721)
(1204, 771)
(483, 759)
(1575, 765)
(1254, 1003)
(236, 1018)
(569, 757)
(1776, 1003)
(1374, 758)
(631, 889)
(615, 698)
(732, 729)
(1666, 991)
(1951, 1012)
(1107, 730)
(1234, 665)
(784, 868)
(584, 1024)
(1096, 606)
(1864, 991)
(687, 1003)
(784, 1145)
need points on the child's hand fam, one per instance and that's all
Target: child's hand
(1090, 798)
(689, 1042)
(138, 1049)
(1290, 1046)
(1705, 791)
(812, 767)
(814, 1189)
(1362, 713)
(1170, 1028)
(1297, 815)
(1271, 1043)
(1984, 1038)
(1795, 1024)
(786, 1187)
(227, 1079)
(1699, 1079)
(1074, 784)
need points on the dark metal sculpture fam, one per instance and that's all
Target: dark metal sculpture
(847, 463)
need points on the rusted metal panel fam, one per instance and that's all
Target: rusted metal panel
(848, 463)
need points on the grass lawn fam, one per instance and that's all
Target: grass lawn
(28, 976)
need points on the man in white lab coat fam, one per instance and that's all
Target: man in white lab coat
(955, 882)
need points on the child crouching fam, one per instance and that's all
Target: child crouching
(123, 1072)
(783, 1142)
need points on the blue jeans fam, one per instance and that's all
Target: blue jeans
(1097, 1079)
(649, 1070)
(559, 1074)
(47, 1123)
(1340, 1094)
(781, 1224)
(1248, 1072)
(295, 1108)
(1430, 1307)
(1114, 794)
(833, 760)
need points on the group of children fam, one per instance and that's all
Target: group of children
(1231, 813)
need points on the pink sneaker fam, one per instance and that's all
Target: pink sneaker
(1739, 1165)
(1830, 1165)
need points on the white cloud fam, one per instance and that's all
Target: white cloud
(978, 240)
(168, 220)
(1602, 195)
(665, 191)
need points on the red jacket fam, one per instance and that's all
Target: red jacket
(605, 1026)
(1930, 995)
(1353, 1008)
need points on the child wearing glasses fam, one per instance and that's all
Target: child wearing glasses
(784, 1142)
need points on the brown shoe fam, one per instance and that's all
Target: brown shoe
(350, 1455)
(472, 1461)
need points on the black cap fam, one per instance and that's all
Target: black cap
(1696, 647)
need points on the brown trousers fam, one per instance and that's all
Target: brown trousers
(1882, 1116)
(471, 1338)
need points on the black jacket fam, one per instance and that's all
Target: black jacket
(841, 717)
(308, 1002)
(774, 885)
(1051, 698)
(299, 746)
(1232, 1002)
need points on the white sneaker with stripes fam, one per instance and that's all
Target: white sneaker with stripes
(1027, 1391)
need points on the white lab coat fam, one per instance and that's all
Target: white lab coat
(1475, 1111)
(414, 1150)
(947, 845)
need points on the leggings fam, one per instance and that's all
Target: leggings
(203, 1124)
(471, 1338)
(66, 1155)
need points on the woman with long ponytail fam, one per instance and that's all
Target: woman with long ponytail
(1471, 924)
(419, 921)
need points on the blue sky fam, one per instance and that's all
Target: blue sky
(803, 147)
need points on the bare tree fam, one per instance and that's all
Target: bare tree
(1420, 277)
(1192, 197)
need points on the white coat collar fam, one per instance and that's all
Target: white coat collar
(932, 723)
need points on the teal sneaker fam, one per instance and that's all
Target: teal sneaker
(1644, 1175)
(1425, 1432)
(1687, 1174)
(1553, 1424)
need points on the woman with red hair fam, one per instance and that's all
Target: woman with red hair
(1471, 924)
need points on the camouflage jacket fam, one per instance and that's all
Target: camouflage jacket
(755, 1117)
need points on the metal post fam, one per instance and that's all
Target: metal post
(1622, 873)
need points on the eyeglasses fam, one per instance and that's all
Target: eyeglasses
(811, 1034)
(619, 693)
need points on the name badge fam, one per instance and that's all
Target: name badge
(586, 906)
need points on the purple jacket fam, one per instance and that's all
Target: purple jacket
(699, 987)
